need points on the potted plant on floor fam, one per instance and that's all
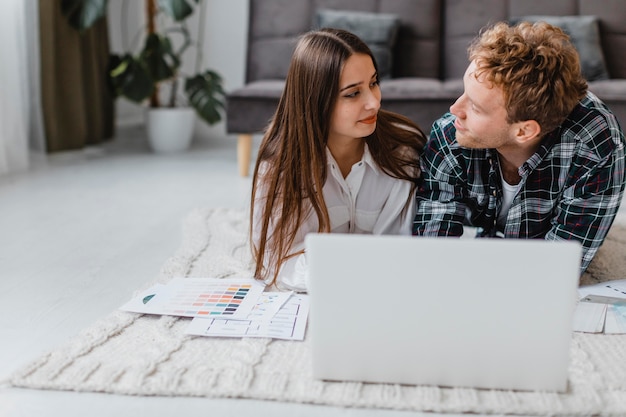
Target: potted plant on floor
(155, 71)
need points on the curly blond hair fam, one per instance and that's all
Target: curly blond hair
(536, 66)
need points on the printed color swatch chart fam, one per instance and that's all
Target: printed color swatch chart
(199, 297)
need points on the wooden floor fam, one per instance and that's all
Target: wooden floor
(79, 233)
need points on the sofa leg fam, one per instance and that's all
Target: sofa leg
(244, 151)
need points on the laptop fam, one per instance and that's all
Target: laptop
(481, 313)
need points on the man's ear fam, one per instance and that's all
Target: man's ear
(527, 130)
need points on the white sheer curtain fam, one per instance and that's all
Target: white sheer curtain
(20, 103)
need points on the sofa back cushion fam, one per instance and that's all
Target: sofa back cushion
(275, 25)
(465, 18)
(378, 30)
(612, 17)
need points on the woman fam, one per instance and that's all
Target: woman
(329, 134)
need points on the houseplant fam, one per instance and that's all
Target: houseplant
(155, 70)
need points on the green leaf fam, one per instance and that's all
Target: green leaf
(82, 14)
(176, 9)
(130, 78)
(159, 57)
(206, 95)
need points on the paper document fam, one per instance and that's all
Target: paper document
(602, 308)
(288, 323)
(199, 297)
(615, 319)
(228, 307)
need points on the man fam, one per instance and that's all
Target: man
(526, 151)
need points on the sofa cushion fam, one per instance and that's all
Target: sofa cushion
(585, 35)
(378, 30)
(614, 89)
(250, 108)
(422, 89)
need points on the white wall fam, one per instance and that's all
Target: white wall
(225, 36)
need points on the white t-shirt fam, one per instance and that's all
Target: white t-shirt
(367, 201)
(508, 194)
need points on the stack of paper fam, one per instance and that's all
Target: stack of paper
(233, 307)
(602, 308)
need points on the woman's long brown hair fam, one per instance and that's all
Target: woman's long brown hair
(294, 146)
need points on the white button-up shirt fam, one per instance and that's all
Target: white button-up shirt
(367, 201)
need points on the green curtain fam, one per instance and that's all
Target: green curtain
(77, 103)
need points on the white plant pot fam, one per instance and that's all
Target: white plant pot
(170, 129)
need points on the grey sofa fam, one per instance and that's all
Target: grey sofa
(429, 53)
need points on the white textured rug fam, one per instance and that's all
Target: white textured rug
(132, 354)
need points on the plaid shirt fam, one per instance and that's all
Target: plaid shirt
(571, 188)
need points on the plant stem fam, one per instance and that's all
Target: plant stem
(151, 12)
(150, 15)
